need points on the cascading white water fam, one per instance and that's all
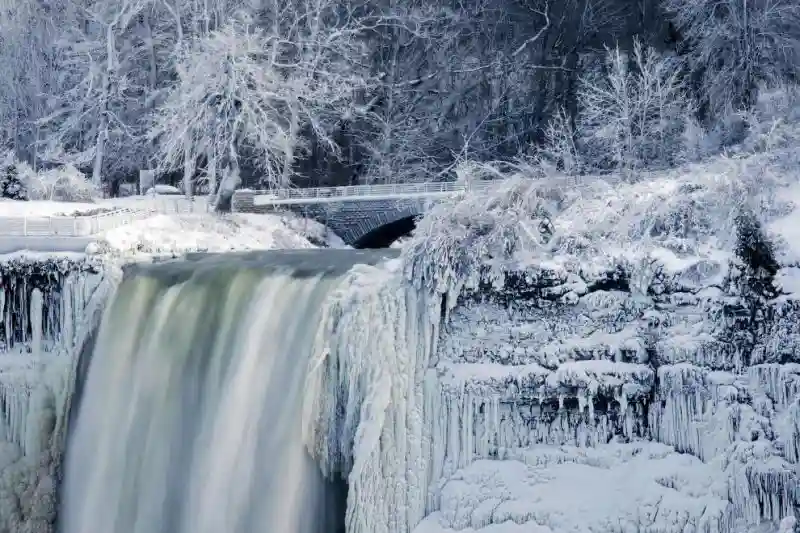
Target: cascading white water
(190, 415)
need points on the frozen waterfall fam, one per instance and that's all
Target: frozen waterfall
(189, 418)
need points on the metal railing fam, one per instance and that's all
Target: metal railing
(65, 226)
(366, 191)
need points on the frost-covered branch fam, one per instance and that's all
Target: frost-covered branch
(247, 92)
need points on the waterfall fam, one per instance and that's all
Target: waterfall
(189, 418)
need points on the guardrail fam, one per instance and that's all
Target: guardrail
(65, 226)
(88, 225)
(366, 191)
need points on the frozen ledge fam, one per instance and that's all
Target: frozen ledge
(582, 379)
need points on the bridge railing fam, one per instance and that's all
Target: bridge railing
(360, 191)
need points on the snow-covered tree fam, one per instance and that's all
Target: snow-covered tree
(735, 45)
(259, 94)
(95, 106)
(633, 114)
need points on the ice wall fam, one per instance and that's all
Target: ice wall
(657, 348)
(663, 366)
(48, 303)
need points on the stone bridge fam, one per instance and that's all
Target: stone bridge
(364, 216)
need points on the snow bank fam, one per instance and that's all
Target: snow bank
(175, 235)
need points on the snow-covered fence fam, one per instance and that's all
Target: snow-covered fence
(65, 226)
(174, 205)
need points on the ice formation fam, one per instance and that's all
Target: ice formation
(44, 304)
(482, 366)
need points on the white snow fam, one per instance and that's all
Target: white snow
(174, 235)
(614, 488)
(45, 208)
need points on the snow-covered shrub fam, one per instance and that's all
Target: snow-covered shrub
(772, 124)
(460, 234)
(561, 143)
(64, 184)
(14, 177)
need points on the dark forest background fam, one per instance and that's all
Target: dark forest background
(216, 93)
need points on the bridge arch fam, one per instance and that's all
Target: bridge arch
(381, 228)
(363, 216)
(385, 235)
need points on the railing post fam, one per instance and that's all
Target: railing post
(25, 226)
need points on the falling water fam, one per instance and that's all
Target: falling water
(189, 416)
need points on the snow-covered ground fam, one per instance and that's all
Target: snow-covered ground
(178, 234)
(616, 488)
(169, 226)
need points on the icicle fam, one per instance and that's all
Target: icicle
(374, 346)
(36, 309)
(7, 314)
(2, 317)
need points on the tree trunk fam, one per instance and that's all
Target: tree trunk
(288, 158)
(188, 172)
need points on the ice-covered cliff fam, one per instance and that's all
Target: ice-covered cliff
(556, 358)
(47, 301)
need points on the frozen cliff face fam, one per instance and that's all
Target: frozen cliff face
(47, 303)
(586, 324)
(683, 352)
